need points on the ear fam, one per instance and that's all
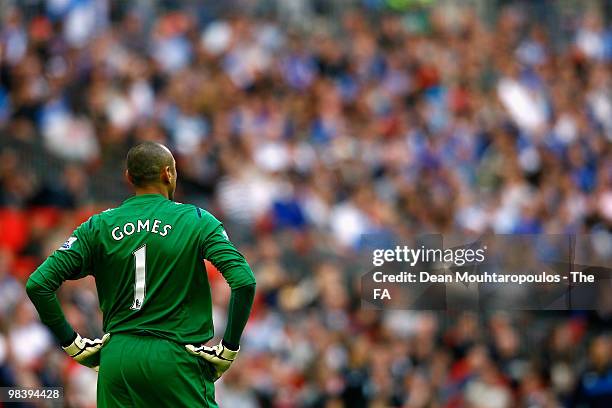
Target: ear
(128, 177)
(166, 175)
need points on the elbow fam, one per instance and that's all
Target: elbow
(248, 291)
(32, 288)
(251, 291)
(252, 275)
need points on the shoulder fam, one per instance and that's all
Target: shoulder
(88, 227)
(94, 221)
(206, 216)
(199, 215)
(109, 212)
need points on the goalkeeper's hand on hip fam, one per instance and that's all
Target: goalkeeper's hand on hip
(86, 351)
(219, 356)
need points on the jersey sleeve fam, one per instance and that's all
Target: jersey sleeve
(71, 261)
(219, 250)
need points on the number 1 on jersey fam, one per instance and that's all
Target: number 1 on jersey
(140, 261)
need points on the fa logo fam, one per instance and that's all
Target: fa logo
(381, 294)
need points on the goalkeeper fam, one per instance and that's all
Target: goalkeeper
(147, 260)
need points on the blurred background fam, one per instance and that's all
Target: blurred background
(303, 125)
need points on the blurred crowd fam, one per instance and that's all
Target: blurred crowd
(304, 128)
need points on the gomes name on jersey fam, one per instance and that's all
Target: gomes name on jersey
(130, 228)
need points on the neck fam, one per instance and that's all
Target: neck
(151, 190)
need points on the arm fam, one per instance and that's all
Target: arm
(70, 261)
(65, 263)
(236, 271)
(221, 252)
(241, 301)
(51, 315)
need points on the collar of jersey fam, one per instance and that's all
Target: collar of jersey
(145, 197)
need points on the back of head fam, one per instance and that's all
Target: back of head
(146, 161)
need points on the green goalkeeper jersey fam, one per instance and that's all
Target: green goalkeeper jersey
(147, 260)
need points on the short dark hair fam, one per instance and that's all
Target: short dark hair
(146, 161)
